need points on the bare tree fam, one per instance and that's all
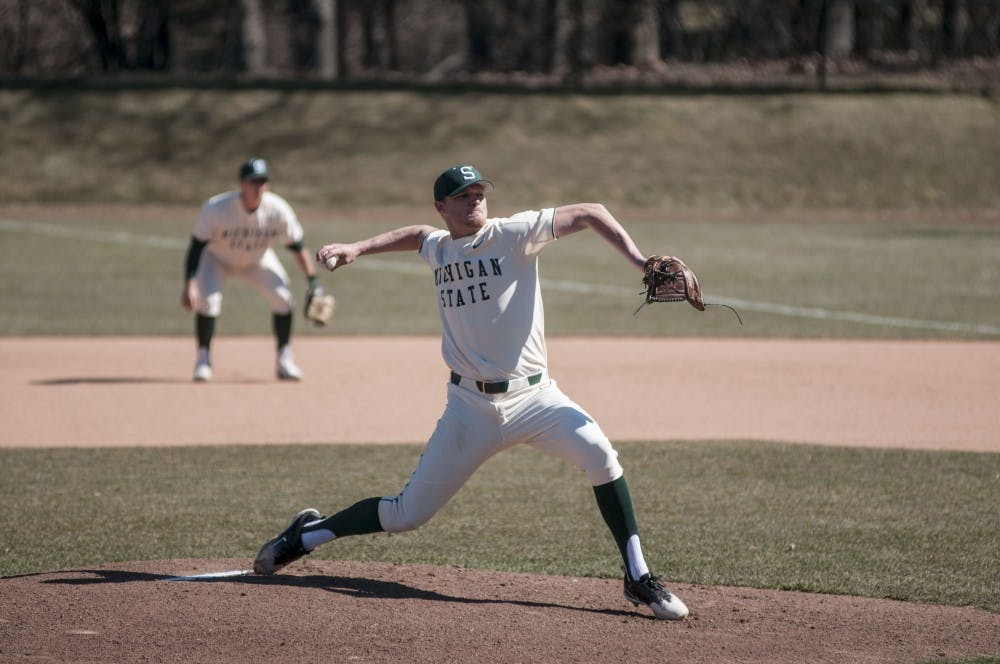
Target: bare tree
(671, 30)
(372, 46)
(314, 36)
(563, 59)
(153, 43)
(526, 23)
(954, 27)
(630, 31)
(246, 37)
(389, 28)
(838, 30)
(479, 35)
(645, 35)
(103, 19)
(870, 22)
(910, 21)
(17, 39)
(984, 28)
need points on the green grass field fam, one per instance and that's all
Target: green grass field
(917, 526)
(100, 277)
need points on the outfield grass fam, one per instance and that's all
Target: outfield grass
(908, 525)
(811, 157)
(101, 277)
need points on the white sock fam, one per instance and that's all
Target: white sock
(203, 356)
(636, 563)
(314, 538)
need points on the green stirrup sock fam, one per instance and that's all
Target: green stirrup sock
(615, 504)
(204, 327)
(282, 325)
(358, 519)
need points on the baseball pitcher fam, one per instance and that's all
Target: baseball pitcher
(485, 274)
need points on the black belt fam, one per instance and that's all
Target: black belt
(497, 386)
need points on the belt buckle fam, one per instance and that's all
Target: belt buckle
(493, 387)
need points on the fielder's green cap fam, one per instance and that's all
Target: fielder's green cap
(254, 168)
(457, 178)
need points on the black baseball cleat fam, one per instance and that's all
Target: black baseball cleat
(649, 591)
(286, 547)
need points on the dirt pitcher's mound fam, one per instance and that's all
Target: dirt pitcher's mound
(379, 612)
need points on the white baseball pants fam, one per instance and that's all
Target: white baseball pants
(476, 426)
(268, 277)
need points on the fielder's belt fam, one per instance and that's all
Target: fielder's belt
(499, 386)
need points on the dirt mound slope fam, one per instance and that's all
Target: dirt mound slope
(378, 612)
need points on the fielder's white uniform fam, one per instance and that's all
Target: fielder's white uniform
(493, 329)
(239, 245)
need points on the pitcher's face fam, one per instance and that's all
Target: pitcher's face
(465, 212)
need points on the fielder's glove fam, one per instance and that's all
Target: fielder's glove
(668, 279)
(319, 305)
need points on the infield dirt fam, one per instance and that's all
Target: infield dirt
(90, 392)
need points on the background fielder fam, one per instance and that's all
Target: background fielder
(233, 238)
(499, 391)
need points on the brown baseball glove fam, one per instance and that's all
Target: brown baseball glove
(319, 306)
(668, 279)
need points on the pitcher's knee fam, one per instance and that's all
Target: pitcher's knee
(397, 517)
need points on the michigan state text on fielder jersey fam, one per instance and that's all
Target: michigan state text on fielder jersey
(239, 238)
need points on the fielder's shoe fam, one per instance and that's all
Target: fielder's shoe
(287, 369)
(649, 591)
(202, 372)
(286, 547)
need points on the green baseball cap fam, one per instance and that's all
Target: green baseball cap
(458, 178)
(254, 168)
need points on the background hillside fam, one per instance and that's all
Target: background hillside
(920, 154)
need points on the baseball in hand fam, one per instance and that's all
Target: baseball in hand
(331, 262)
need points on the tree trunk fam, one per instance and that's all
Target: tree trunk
(389, 28)
(954, 27)
(839, 34)
(19, 39)
(909, 24)
(526, 25)
(645, 21)
(671, 30)
(246, 39)
(327, 60)
(563, 26)
(615, 33)
(478, 32)
(343, 66)
(370, 57)
(631, 33)
(870, 28)
(105, 31)
(153, 42)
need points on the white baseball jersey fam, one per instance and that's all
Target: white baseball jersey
(239, 238)
(493, 325)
